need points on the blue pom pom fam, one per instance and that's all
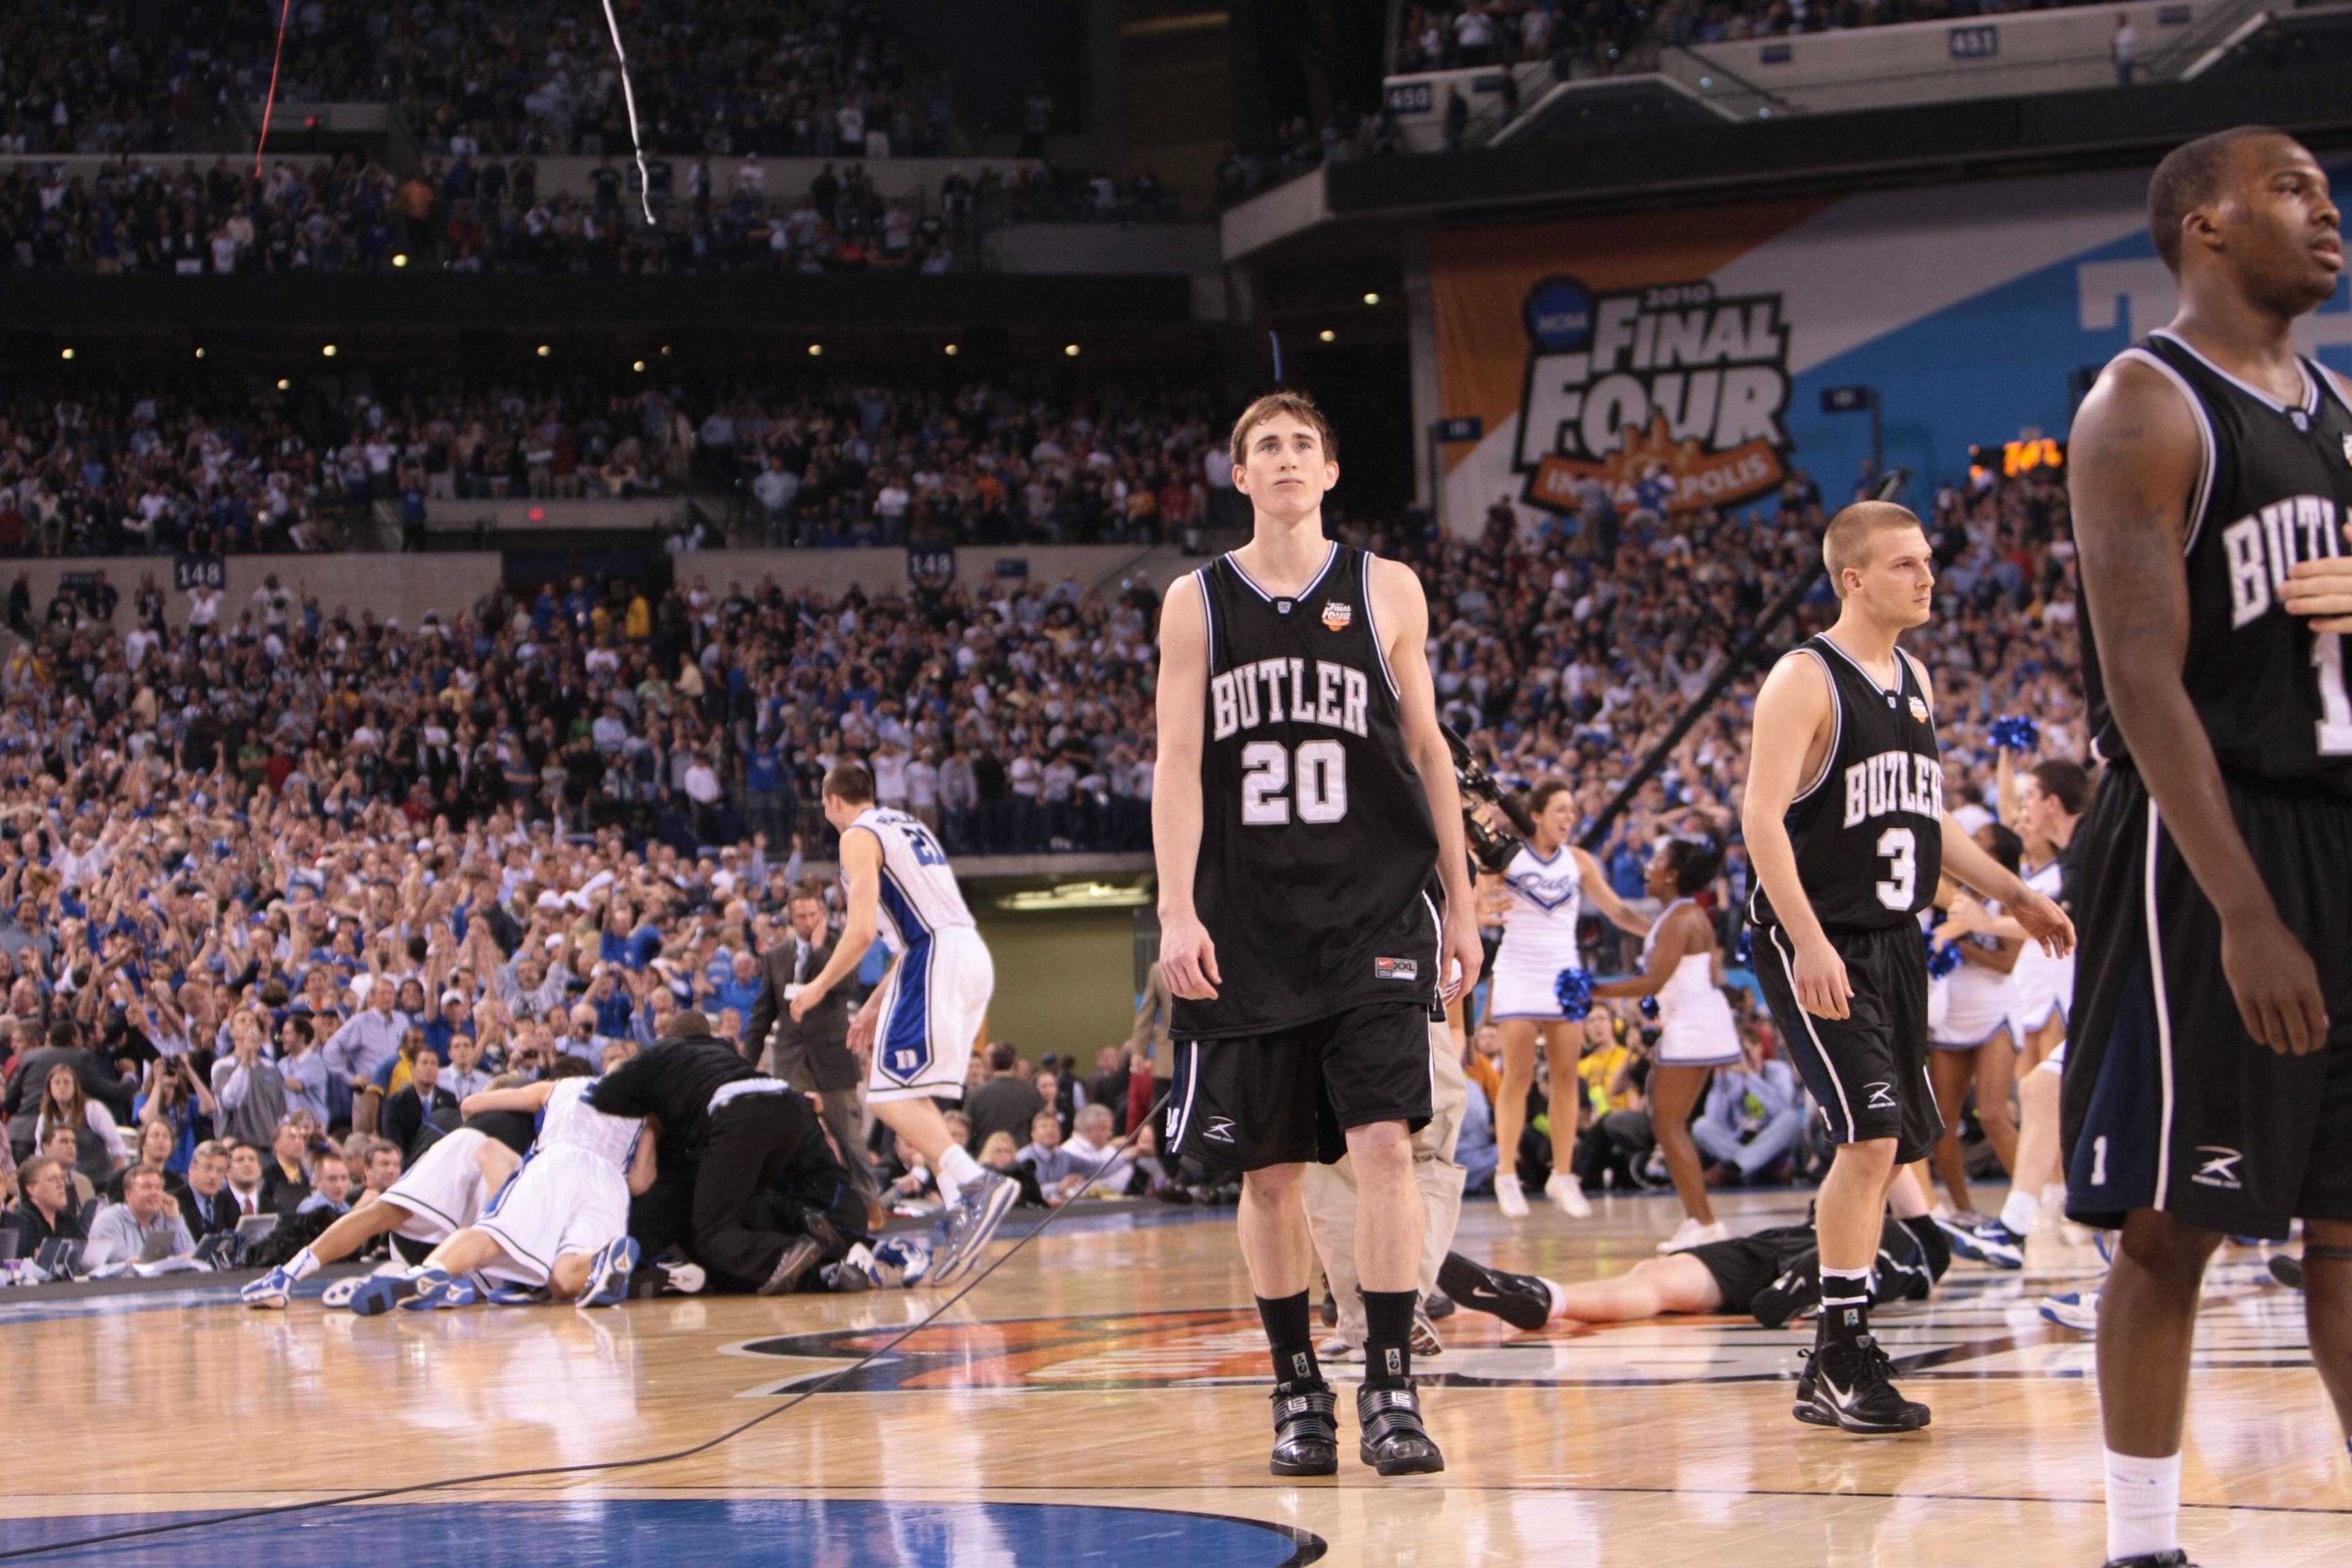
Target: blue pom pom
(2016, 733)
(1744, 953)
(1943, 957)
(1650, 1008)
(1574, 989)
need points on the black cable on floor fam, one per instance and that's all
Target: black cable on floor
(817, 1388)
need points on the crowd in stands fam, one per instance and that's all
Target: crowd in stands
(88, 469)
(488, 214)
(802, 78)
(256, 872)
(1600, 39)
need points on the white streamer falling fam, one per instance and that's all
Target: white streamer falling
(629, 98)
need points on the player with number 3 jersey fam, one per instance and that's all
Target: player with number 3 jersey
(1847, 830)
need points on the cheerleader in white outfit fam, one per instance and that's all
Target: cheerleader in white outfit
(1973, 1041)
(1681, 966)
(1546, 883)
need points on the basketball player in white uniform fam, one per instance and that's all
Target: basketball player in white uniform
(923, 1021)
(1548, 881)
(1681, 966)
(441, 1195)
(561, 1224)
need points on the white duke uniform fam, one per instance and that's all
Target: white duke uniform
(2045, 985)
(1696, 1027)
(1540, 938)
(443, 1191)
(573, 1191)
(936, 998)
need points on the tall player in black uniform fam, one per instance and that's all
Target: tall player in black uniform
(1302, 798)
(1846, 828)
(2209, 1082)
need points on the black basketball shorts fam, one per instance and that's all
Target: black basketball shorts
(1287, 1098)
(1742, 1267)
(2169, 1103)
(1867, 1071)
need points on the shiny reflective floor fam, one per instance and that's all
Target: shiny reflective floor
(1100, 1399)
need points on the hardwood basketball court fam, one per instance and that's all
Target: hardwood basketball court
(1101, 1398)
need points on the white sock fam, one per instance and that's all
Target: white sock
(2143, 1505)
(1559, 1296)
(302, 1264)
(2053, 1197)
(2020, 1211)
(957, 1170)
(1502, 1177)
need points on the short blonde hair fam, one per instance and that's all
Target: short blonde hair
(1299, 406)
(1845, 544)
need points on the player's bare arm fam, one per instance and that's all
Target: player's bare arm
(1188, 959)
(1404, 615)
(1795, 713)
(528, 1097)
(2136, 455)
(2322, 589)
(861, 869)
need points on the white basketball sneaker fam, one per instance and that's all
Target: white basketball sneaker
(1569, 1193)
(1507, 1196)
(1693, 1233)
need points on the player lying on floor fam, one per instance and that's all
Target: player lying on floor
(1773, 1274)
(560, 1225)
(443, 1192)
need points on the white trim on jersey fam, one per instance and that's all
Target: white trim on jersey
(1330, 555)
(1372, 624)
(2202, 496)
(1180, 1117)
(2310, 403)
(1837, 730)
(1208, 617)
(2163, 1012)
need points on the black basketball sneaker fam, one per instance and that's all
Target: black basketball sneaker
(1395, 1443)
(1306, 1430)
(1852, 1386)
(1795, 1293)
(1522, 1301)
(2176, 1558)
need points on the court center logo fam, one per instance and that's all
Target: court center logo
(1668, 385)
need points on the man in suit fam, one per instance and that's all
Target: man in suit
(405, 1114)
(285, 1178)
(207, 1204)
(813, 1054)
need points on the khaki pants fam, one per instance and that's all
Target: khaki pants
(1331, 1190)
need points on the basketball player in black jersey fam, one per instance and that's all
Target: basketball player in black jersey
(1846, 828)
(2209, 1079)
(1302, 798)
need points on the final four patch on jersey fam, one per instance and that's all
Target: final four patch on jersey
(1396, 969)
(1919, 709)
(1336, 614)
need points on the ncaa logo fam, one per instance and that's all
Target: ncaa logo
(1919, 709)
(1336, 615)
(1559, 314)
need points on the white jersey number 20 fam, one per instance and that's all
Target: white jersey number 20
(1268, 771)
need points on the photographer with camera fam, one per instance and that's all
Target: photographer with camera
(176, 1098)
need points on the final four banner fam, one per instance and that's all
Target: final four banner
(1694, 346)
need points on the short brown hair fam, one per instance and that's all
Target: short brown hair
(2067, 782)
(853, 782)
(1845, 544)
(135, 1171)
(1299, 406)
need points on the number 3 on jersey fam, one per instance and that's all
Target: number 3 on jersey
(1269, 770)
(1901, 847)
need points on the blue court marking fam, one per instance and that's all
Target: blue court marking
(779, 1533)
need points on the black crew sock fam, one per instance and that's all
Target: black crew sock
(1388, 1338)
(1289, 1330)
(1845, 1307)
